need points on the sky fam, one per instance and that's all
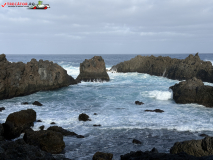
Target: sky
(108, 27)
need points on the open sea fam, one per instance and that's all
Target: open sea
(114, 102)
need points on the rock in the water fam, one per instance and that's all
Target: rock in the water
(2, 108)
(80, 136)
(36, 103)
(203, 135)
(19, 79)
(64, 132)
(93, 70)
(38, 120)
(197, 148)
(136, 141)
(193, 91)
(46, 140)
(24, 103)
(138, 103)
(96, 125)
(156, 110)
(95, 114)
(17, 122)
(83, 117)
(102, 156)
(180, 69)
(52, 123)
(19, 150)
(41, 127)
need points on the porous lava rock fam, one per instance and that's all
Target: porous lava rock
(19, 150)
(64, 132)
(193, 91)
(83, 117)
(197, 148)
(19, 79)
(46, 140)
(102, 156)
(17, 122)
(172, 68)
(93, 70)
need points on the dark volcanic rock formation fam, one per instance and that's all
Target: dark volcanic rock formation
(83, 117)
(168, 67)
(19, 150)
(138, 103)
(19, 79)
(64, 132)
(47, 140)
(93, 70)
(193, 91)
(197, 148)
(17, 122)
(102, 156)
(156, 110)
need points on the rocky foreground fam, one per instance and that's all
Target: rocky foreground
(172, 68)
(19, 79)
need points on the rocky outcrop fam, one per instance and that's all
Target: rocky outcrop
(156, 110)
(19, 79)
(19, 150)
(93, 70)
(46, 140)
(17, 122)
(193, 91)
(154, 155)
(83, 117)
(197, 148)
(64, 132)
(168, 67)
(102, 156)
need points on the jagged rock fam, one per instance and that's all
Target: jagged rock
(136, 141)
(19, 150)
(102, 156)
(37, 103)
(180, 69)
(138, 103)
(2, 108)
(17, 122)
(62, 131)
(41, 127)
(193, 91)
(197, 148)
(46, 140)
(156, 110)
(93, 70)
(83, 117)
(19, 79)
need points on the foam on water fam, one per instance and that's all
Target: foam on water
(161, 95)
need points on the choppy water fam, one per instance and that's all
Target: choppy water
(121, 120)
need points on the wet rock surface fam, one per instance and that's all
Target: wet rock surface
(102, 156)
(17, 122)
(2, 108)
(36, 103)
(19, 79)
(93, 70)
(83, 117)
(193, 91)
(156, 110)
(138, 103)
(135, 141)
(180, 69)
(62, 131)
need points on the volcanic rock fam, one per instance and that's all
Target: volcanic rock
(19, 79)
(64, 132)
(102, 156)
(172, 68)
(52, 123)
(19, 150)
(197, 148)
(80, 136)
(193, 91)
(93, 70)
(138, 103)
(17, 122)
(38, 120)
(2, 108)
(156, 110)
(136, 141)
(96, 125)
(37, 103)
(46, 140)
(83, 117)
(41, 127)
(24, 103)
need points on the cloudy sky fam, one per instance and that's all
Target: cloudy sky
(108, 27)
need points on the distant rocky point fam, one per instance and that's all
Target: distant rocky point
(172, 68)
(19, 79)
(93, 70)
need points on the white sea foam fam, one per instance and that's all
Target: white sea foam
(160, 95)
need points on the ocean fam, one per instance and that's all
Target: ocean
(114, 102)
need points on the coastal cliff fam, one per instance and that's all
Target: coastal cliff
(19, 79)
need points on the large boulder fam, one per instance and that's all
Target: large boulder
(193, 91)
(64, 132)
(19, 150)
(18, 79)
(93, 70)
(197, 148)
(180, 69)
(46, 140)
(17, 122)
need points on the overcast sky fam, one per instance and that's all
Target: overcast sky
(108, 27)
